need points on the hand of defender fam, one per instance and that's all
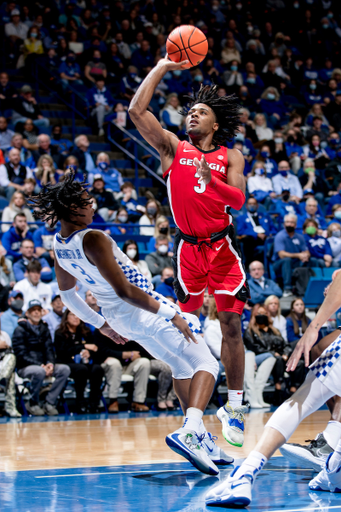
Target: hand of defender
(183, 326)
(203, 169)
(304, 346)
(113, 335)
(171, 66)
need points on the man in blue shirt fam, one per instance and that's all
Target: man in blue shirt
(54, 317)
(9, 319)
(43, 242)
(260, 287)
(166, 287)
(101, 102)
(12, 239)
(290, 252)
(253, 229)
(82, 153)
(336, 199)
(311, 207)
(112, 177)
(142, 57)
(27, 251)
(284, 205)
(286, 180)
(70, 72)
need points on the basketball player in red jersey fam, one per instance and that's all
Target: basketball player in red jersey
(204, 180)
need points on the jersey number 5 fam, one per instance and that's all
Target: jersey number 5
(202, 188)
(82, 271)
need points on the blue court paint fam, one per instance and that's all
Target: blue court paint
(175, 487)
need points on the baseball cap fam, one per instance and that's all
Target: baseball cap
(98, 177)
(308, 191)
(26, 88)
(148, 24)
(15, 12)
(15, 293)
(285, 190)
(33, 303)
(55, 296)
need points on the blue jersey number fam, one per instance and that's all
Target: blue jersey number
(82, 271)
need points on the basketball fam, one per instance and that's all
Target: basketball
(187, 43)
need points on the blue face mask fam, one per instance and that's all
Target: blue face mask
(259, 171)
(252, 208)
(234, 68)
(264, 154)
(330, 15)
(240, 137)
(198, 78)
(34, 34)
(103, 166)
(337, 215)
(271, 96)
(312, 87)
(177, 72)
(333, 142)
(132, 75)
(251, 80)
(325, 25)
(283, 173)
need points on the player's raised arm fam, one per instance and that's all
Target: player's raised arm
(99, 252)
(162, 140)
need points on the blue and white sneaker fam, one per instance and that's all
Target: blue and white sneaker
(233, 491)
(327, 480)
(233, 423)
(188, 444)
(216, 454)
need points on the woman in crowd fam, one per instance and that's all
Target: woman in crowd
(95, 68)
(32, 47)
(318, 246)
(278, 321)
(17, 205)
(259, 182)
(45, 171)
(262, 131)
(336, 215)
(170, 114)
(264, 156)
(74, 347)
(161, 228)
(297, 324)
(149, 218)
(72, 161)
(271, 353)
(130, 248)
(121, 218)
(272, 106)
(30, 135)
(334, 239)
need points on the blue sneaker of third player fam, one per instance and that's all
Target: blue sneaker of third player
(327, 480)
(232, 423)
(232, 491)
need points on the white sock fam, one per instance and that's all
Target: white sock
(193, 419)
(235, 397)
(252, 464)
(202, 429)
(335, 459)
(332, 433)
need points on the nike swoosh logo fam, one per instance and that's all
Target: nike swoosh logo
(233, 486)
(188, 150)
(218, 248)
(209, 449)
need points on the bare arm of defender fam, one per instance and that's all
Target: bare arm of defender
(330, 304)
(162, 140)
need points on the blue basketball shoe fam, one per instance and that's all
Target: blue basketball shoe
(232, 423)
(232, 491)
(327, 480)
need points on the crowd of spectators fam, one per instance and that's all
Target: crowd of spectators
(281, 60)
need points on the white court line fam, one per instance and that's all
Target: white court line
(299, 509)
(117, 473)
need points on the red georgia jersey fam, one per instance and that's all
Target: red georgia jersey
(196, 209)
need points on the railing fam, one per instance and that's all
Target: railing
(100, 225)
(134, 156)
(39, 72)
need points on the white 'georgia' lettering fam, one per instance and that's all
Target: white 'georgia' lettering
(214, 167)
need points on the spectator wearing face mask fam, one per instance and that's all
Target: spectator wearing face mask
(320, 252)
(318, 129)
(264, 156)
(101, 102)
(106, 203)
(9, 319)
(310, 180)
(128, 198)
(253, 229)
(13, 238)
(43, 239)
(286, 180)
(260, 186)
(130, 248)
(112, 177)
(121, 218)
(161, 228)
(166, 287)
(311, 213)
(160, 258)
(271, 105)
(70, 72)
(312, 94)
(290, 252)
(336, 214)
(130, 83)
(149, 218)
(232, 77)
(334, 239)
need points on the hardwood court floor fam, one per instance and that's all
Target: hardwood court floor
(112, 442)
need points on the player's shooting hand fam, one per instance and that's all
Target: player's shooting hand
(169, 65)
(304, 346)
(203, 169)
(113, 335)
(183, 326)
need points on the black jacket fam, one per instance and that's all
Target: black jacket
(70, 344)
(55, 154)
(79, 154)
(26, 108)
(266, 342)
(30, 347)
(105, 199)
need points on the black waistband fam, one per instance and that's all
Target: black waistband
(215, 237)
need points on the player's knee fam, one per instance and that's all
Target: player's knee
(210, 365)
(231, 327)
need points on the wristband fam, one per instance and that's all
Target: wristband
(166, 311)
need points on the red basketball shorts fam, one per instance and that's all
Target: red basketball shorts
(217, 267)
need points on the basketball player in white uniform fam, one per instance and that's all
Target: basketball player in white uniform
(132, 309)
(323, 382)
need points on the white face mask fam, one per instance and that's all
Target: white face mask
(131, 253)
(163, 249)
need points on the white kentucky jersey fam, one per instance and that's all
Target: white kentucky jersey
(70, 256)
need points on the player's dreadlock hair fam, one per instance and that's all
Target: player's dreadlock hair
(225, 108)
(58, 202)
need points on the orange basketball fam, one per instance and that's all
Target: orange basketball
(187, 43)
